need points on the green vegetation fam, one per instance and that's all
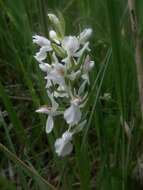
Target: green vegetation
(108, 153)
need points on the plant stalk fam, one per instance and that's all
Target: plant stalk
(138, 50)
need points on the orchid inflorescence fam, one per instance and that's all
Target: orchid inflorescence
(66, 63)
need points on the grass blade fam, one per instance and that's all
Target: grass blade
(30, 171)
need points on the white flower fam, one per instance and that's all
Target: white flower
(70, 44)
(41, 41)
(61, 92)
(81, 51)
(45, 67)
(74, 75)
(85, 35)
(63, 145)
(72, 115)
(42, 54)
(45, 47)
(53, 36)
(56, 75)
(51, 112)
(88, 64)
(49, 122)
(87, 67)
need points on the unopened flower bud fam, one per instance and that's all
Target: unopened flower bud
(85, 35)
(53, 36)
(54, 19)
(88, 64)
(57, 25)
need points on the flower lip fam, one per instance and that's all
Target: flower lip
(63, 145)
(72, 114)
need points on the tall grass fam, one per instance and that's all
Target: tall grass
(108, 153)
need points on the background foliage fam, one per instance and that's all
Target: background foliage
(108, 154)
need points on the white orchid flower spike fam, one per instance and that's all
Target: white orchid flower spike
(66, 67)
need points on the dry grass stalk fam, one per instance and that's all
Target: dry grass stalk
(138, 48)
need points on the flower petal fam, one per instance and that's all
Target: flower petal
(66, 149)
(43, 109)
(70, 44)
(42, 54)
(81, 51)
(55, 105)
(88, 64)
(49, 124)
(67, 136)
(45, 67)
(53, 36)
(56, 74)
(85, 35)
(41, 41)
(72, 115)
(63, 145)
